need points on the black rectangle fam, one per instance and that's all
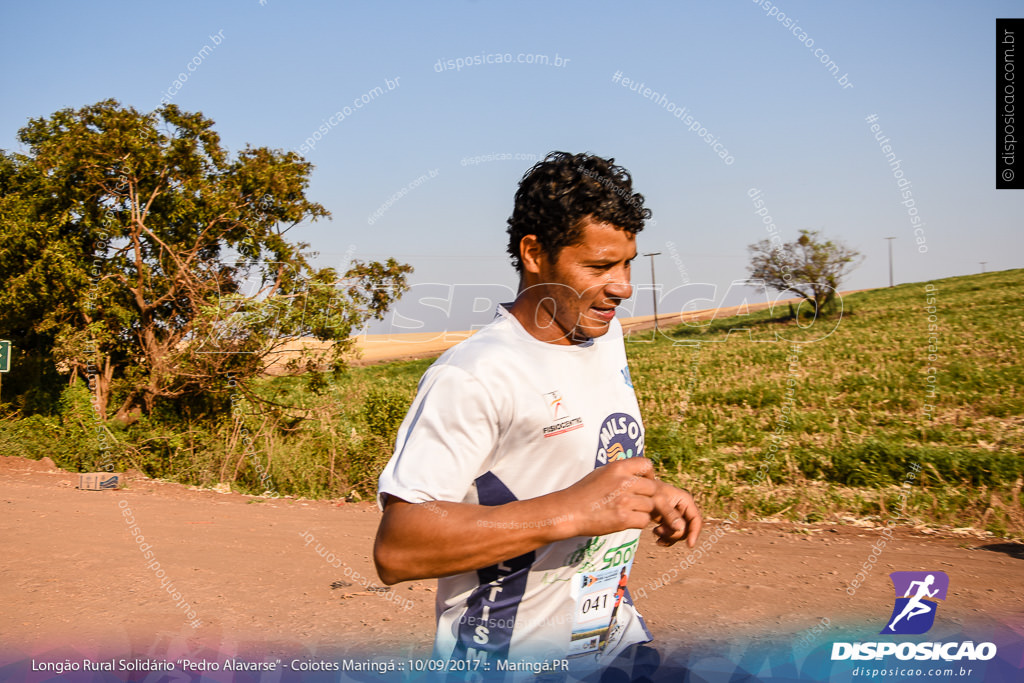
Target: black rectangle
(1009, 135)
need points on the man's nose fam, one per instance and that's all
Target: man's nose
(618, 289)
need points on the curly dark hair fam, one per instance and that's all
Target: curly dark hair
(557, 195)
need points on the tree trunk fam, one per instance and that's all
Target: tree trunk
(100, 384)
(130, 410)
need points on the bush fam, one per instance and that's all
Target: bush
(35, 437)
(383, 411)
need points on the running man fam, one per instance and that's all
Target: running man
(518, 478)
(915, 605)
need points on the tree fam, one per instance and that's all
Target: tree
(809, 266)
(137, 253)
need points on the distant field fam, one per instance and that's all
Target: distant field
(759, 414)
(377, 348)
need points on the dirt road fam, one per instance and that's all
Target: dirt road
(76, 584)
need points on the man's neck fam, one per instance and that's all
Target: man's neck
(538, 320)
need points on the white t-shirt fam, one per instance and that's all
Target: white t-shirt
(501, 417)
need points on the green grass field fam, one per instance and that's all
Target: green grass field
(866, 403)
(757, 414)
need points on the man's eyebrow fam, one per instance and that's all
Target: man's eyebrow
(599, 261)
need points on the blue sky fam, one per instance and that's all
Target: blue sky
(281, 69)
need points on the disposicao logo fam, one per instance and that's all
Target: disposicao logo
(913, 613)
(917, 595)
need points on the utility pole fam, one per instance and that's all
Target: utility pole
(890, 259)
(983, 265)
(654, 288)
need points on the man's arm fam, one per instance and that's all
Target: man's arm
(428, 540)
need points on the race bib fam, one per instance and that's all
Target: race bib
(599, 595)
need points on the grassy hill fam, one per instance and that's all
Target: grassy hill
(907, 406)
(924, 375)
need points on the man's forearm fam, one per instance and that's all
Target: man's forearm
(440, 539)
(429, 540)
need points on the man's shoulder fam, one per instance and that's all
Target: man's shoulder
(490, 343)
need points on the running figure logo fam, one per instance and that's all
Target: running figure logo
(554, 399)
(917, 595)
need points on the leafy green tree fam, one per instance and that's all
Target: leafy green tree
(137, 253)
(810, 266)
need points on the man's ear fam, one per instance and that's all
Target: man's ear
(531, 254)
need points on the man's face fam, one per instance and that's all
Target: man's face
(579, 290)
